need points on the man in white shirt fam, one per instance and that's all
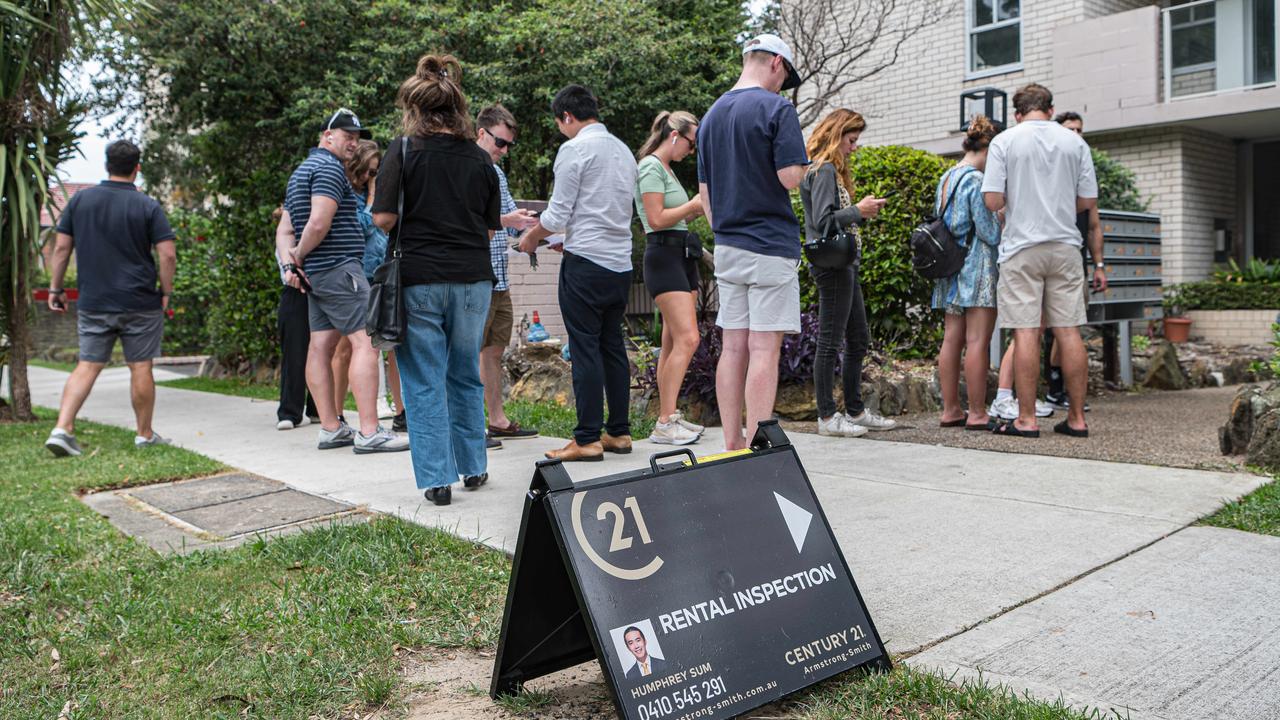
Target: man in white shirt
(1039, 174)
(591, 203)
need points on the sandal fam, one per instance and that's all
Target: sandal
(1065, 428)
(954, 423)
(988, 426)
(1010, 430)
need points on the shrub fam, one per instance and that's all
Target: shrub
(1117, 185)
(1210, 295)
(195, 285)
(1254, 271)
(242, 325)
(897, 299)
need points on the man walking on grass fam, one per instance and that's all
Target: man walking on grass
(113, 230)
(1041, 174)
(751, 156)
(327, 264)
(496, 135)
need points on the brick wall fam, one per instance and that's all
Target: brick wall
(536, 290)
(1233, 327)
(51, 330)
(1189, 178)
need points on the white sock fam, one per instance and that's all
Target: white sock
(1004, 394)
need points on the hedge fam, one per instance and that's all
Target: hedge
(1212, 295)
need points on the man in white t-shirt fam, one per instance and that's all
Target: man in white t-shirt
(1039, 175)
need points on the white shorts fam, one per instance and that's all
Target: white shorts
(757, 292)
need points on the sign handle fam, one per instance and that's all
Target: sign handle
(654, 458)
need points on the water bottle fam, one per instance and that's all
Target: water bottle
(537, 333)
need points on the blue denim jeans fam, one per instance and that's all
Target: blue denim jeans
(440, 379)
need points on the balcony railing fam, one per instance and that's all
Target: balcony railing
(1214, 46)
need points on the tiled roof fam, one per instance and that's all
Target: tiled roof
(58, 197)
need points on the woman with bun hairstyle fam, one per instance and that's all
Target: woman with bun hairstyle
(968, 298)
(670, 263)
(827, 192)
(452, 206)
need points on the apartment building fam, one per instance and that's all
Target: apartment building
(1183, 92)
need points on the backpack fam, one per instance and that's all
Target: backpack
(935, 254)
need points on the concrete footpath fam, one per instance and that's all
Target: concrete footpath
(1072, 578)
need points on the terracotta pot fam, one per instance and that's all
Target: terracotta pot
(1177, 329)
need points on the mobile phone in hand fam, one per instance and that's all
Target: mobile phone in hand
(888, 193)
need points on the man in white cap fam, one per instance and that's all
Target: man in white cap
(750, 156)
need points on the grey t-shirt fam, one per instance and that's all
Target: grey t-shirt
(1041, 167)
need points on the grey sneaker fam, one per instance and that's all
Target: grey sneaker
(872, 421)
(673, 433)
(678, 417)
(155, 439)
(342, 437)
(382, 440)
(62, 443)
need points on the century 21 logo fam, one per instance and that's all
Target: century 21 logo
(620, 540)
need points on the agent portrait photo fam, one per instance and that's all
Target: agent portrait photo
(638, 651)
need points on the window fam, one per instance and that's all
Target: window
(1193, 37)
(995, 35)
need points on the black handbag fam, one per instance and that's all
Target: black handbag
(935, 253)
(836, 249)
(385, 321)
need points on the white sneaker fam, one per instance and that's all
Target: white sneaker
(678, 417)
(872, 421)
(382, 440)
(1006, 409)
(673, 433)
(1043, 409)
(838, 425)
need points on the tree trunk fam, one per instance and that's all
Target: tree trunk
(20, 343)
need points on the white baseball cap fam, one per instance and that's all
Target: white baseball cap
(774, 45)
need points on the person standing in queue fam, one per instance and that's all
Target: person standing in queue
(671, 257)
(827, 192)
(452, 207)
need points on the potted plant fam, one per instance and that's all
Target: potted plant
(1177, 327)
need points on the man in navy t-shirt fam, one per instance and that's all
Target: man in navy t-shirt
(113, 229)
(751, 155)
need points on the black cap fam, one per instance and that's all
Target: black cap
(344, 119)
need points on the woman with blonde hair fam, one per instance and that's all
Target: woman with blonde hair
(827, 192)
(451, 208)
(969, 297)
(671, 256)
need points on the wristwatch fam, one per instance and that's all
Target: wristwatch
(1099, 266)
(59, 291)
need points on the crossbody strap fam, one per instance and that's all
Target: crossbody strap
(955, 187)
(395, 231)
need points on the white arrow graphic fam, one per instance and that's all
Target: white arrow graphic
(797, 518)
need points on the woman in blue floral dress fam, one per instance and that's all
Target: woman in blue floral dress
(968, 298)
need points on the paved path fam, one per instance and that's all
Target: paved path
(944, 542)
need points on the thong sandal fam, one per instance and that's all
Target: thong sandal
(1010, 430)
(1065, 428)
(954, 423)
(988, 426)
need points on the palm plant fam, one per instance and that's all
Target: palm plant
(38, 114)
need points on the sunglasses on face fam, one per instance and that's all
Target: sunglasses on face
(500, 142)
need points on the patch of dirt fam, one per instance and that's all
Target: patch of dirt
(454, 685)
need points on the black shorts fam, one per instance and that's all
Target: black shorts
(666, 269)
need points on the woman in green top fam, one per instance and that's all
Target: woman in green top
(670, 263)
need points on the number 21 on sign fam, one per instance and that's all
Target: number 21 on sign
(619, 540)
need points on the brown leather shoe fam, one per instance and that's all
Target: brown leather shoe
(573, 452)
(620, 444)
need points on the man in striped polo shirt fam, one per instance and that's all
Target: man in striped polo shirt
(327, 264)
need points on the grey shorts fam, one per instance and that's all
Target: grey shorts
(339, 298)
(139, 334)
(757, 292)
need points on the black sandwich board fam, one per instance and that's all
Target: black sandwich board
(705, 589)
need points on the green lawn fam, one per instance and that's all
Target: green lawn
(1257, 512)
(241, 387)
(302, 626)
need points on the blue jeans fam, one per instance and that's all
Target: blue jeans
(440, 379)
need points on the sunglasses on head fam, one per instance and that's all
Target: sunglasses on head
(500, 142)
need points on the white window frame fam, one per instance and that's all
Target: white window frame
(969, 30)
(1188, 69)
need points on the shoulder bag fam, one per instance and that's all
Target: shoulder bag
(385, 320)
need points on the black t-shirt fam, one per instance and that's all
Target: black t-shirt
(114, 228)
(451, 202)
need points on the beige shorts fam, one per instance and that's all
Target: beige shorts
(757, 292)
(497, 327)
(1042, 282)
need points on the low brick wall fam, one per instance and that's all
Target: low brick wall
(1233, 327)
(536, 290)
(51, 330)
